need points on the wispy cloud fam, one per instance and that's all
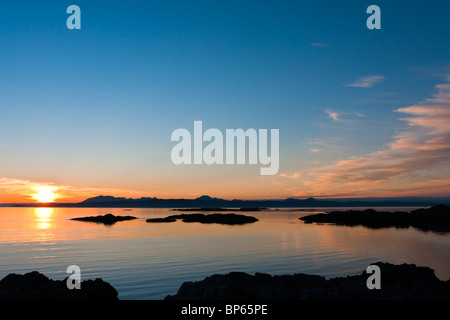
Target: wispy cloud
(358, 114)
(443, 93)
(319, 44)
(366, 82)
(295, 175)
(337, 116)
(417, 160)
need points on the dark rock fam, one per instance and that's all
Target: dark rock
(219, 209)
(436, 218)
(252, 209)
(166, 219)
(229, 219)
(107, 219)
(204, 209)
(36, 286)
(398, 282)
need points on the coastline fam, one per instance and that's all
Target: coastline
(199, 244)
(397, 282)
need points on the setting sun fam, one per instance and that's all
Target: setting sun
(45, 194)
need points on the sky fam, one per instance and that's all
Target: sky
(360, 113)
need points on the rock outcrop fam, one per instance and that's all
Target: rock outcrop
(230, 219)
(36, 286)
(107, 219)
(398, 282)
(166, 219)
(436, 218)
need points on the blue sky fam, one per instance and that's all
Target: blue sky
(94, 108)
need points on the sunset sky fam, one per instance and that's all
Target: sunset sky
(361, 113)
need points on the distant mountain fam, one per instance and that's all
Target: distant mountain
(296, 200)
(206, 201)
(146, 199)
(397, 199)
(104, 199)
(208, 198)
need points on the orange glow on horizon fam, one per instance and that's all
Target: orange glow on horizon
(281, 187)
(45, 194)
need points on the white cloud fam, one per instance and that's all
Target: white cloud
(366, 82)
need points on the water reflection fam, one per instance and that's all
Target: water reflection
(43, 217)
(149, 261)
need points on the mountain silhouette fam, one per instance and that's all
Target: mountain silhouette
(208, 198)
(206, 201)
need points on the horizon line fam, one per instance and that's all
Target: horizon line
(209, 198)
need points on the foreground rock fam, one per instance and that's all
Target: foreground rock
(36, 286)
(436, 218)
(229, 219)
(107, 219)
(398, 282)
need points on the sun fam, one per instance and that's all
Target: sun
(45, 194)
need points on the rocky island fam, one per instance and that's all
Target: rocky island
(229, 219)
(107, 219)
(436, 218)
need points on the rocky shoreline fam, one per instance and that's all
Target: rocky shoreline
(36, 286)
(398, 282)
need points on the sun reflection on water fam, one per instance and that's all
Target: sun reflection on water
(43, 217)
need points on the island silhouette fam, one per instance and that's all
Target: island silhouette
(211, 202)
(436, 218)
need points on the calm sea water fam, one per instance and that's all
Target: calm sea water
(149, 261)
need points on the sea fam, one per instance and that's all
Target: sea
(148, 261)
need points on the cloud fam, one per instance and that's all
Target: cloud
(358, 114)
(295, 175)
(319, 44)
(443, 93)
(337, 116)
(333, 115)
(417, 160)
(366, 82)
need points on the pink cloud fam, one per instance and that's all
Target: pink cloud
(295, 175)
(416, 157)
(333, 115)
